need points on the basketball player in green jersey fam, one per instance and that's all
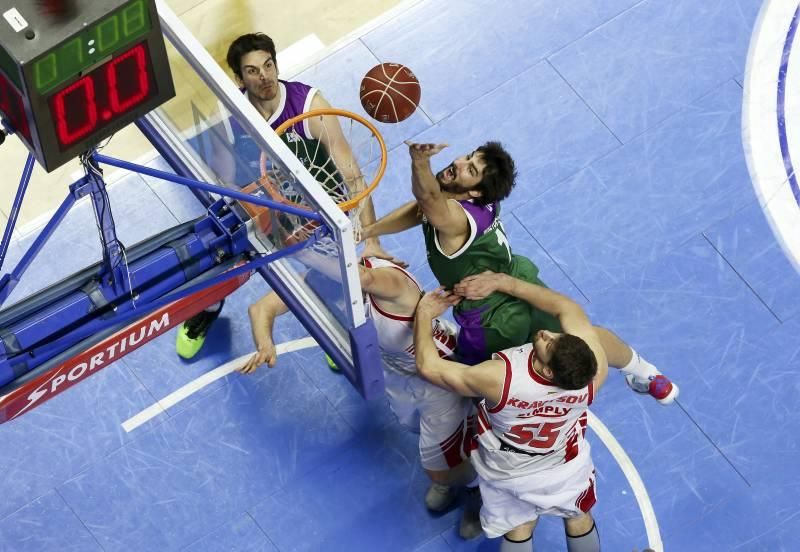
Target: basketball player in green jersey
(458, 208)
(459, 211)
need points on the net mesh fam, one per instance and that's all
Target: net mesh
(347, 161)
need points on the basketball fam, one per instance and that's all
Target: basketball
(390, 92)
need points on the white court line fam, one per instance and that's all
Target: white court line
(613, 446)
(760, 131)
(160, 407)
(635, 481)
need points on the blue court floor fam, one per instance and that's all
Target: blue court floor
(634, 197)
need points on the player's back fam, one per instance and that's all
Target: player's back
(536, 425)
(396, 330)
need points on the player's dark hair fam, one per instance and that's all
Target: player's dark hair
(499, 176)
(244, 45)
(573, 363)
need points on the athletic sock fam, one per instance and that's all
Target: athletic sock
(588, 542)
(639, 367)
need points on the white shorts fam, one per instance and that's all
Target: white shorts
(440, 417)
(566, 490)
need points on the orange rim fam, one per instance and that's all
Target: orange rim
(355, 200)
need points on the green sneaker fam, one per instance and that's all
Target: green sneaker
(332, 365)
(192, 333)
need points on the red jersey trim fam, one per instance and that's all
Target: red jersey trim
(482, 424)
(536, 377)
(389, 314)
(591, 393)
(506, 384)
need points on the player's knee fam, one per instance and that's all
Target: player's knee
(522, 532)
(579, 525)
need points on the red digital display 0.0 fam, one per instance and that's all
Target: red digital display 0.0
(98, 98)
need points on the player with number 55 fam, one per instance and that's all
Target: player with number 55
(532, 457)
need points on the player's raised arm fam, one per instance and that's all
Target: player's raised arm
(482, 380)
(329, 132)
(446, 216)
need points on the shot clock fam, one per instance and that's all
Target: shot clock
(68, 82)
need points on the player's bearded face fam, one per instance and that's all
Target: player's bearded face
(449, 181)
(462, 175)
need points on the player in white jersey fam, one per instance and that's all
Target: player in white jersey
(441, 418)
(532, 458)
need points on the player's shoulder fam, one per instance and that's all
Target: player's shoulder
(376, 263)
(296, 85)
(512, 355)
(484, 217)
(471, 206)
(392, 277)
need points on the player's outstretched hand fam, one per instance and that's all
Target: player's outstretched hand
(266, 354)
(436, 302)
(478, 286)
(373, 248)
(423, 151)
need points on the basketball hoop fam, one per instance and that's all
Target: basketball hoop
(353, 137)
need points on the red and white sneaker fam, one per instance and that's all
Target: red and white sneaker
(659, 387)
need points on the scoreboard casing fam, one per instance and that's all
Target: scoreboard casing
(70, 79)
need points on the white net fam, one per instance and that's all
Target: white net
(343, 153)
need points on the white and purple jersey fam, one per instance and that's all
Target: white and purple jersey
(296, 99)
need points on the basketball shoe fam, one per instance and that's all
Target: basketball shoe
(439, 497)
(332, 365)
(192, 333)
(657, 386)
(470, 525)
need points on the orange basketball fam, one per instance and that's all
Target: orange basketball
(390, 92)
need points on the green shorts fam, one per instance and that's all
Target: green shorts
(511, 322)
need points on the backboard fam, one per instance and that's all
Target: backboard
(319, 284)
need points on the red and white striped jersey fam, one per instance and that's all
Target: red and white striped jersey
(396, 332)
(536, 425)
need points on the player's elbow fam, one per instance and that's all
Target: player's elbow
(567, 308)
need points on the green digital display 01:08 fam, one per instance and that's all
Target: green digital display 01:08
(93, 44)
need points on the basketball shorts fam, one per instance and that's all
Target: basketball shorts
(566, 490)
(440, 417)
(511, 323)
